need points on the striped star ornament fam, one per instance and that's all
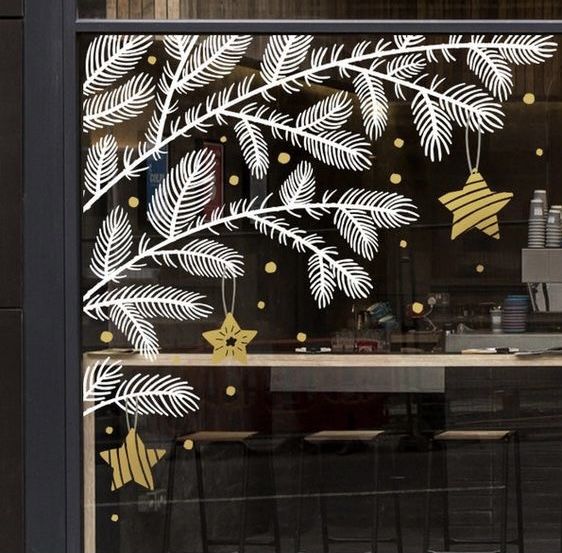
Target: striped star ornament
(132, 462)
(475, 206)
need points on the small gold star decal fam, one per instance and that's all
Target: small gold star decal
(132, 462)
(475, 206)
(229, 340)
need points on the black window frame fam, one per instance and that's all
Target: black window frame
(53, 420)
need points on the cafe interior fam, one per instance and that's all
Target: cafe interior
(423, 413)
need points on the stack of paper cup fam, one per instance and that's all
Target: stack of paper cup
(537, 224)
(553, 231)
(541, 195)
(559, 209)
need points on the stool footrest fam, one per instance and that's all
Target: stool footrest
(455, 551)
(249, 541)
(355, 539)
(480, 542)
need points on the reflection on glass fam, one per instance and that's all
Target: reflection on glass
(271, 225)
(317, 9)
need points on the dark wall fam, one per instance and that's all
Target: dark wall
(11, 197)
(11, 8)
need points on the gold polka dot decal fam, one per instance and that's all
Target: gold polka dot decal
(529, 98)
(284, 158)
(133, 202)
(270, 267)
(230, 391)
(479, 268)
(152, 60)
(188, 445)
(539, 152)
(261, 304)
(114, 517)
(403, 244)
(395, 178)
(301, 337)
(109, 430)
(398, 143)
(223, 139)
(234, 180)
(106, 336)
(417, 307)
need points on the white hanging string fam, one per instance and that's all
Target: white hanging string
(127, 415)
(473, 168)
(223, 291)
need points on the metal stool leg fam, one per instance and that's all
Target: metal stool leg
(169, 498)
(300, 499)
(201, 494)
(505, 495)
(397, 517)
(445, 480)
(273, 503)
(375, 501)
(427, 514)
(323, 505)
(518, 492)
(244, 506)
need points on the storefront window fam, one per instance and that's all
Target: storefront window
(316, 9)
(291, 234)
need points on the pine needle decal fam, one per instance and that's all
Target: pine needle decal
(166, 395)
(101, 164)
(183, 193)
(121, 104)
(188, 238)
(111, 57)
(289, 64)
(151, 301)
(113, 244)
(142, 394)
(101, 379)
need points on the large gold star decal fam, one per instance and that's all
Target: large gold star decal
(229, 340)
(132, 462)
(475, 206)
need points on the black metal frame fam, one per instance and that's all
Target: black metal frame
(53, 421)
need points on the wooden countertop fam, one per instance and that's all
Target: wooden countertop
(322, 360)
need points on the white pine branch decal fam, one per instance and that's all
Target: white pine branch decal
(101, 379)
(120, 104)
(289, 64)
(253, 146)
(101, 164)
(142, 394)
(284, 66)
(151, 301)
(128, 318)
(113, 244)
(110, 57)
(357, 215)
(183, 193)
(299, 187)
(204, 258)
(215, 58)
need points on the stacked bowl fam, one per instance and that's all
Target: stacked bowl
(514, 313)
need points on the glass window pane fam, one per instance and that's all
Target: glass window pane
(318, 9)
(291, 234)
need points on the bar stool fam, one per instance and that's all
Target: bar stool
(503, 438)
(196, 442)
(320, 439)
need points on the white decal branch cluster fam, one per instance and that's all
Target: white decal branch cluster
(113, 94)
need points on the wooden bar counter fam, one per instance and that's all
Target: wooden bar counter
(411, 395)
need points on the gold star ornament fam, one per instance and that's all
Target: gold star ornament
(475, 206)
(229, 341)
(132, 462)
